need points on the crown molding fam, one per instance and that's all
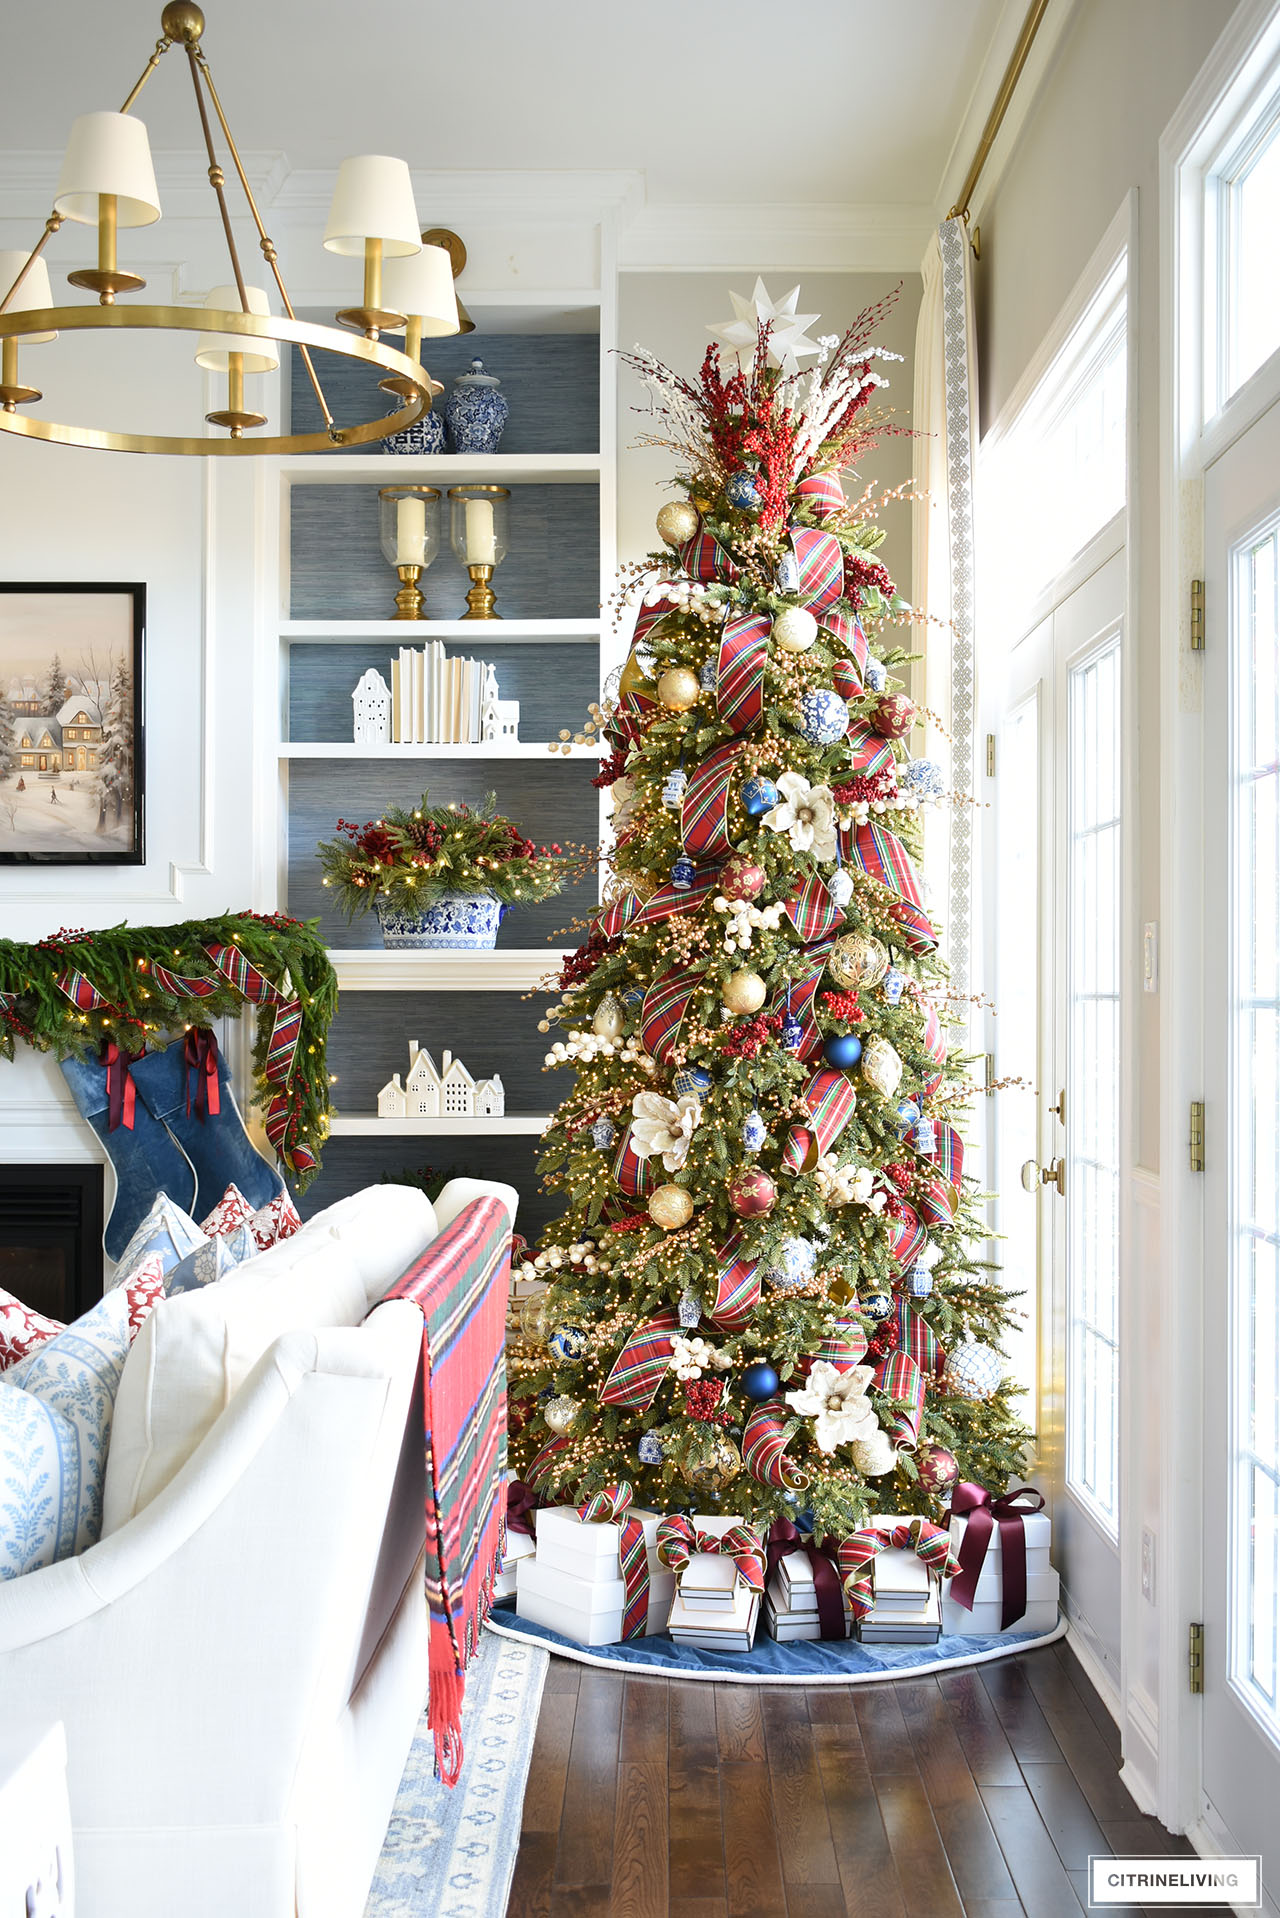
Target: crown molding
(29, 176)
(734, 237)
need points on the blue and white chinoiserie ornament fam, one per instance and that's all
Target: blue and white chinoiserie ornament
(567, 1342)
(754, 1132)
(691, 1082)
(840, 886)
(974, 1371)
(892, 985)
(649, 1449)
(603, 1133)
(475, 411)
(876, 1305)
(842, 1049)
(632, 998)
(920, 1280)
(874, 676)
(908, 1113)
(709, 674)
(788, 574)
(689, 1311)
(683, 873)
(791, 1032)
(794, 1263)
(924, 1135)
(740, 490)
(921, 777)
(424, 436)
(674, 789)
(759, 795)
(824, 716)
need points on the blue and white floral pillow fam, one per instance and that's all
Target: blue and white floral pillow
(210, 1261)
(168, 1230)
(56, 1408)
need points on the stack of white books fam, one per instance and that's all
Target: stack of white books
(438, 701)
(713, 1607)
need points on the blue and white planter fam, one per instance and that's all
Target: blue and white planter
(475, 411)
(458, 922)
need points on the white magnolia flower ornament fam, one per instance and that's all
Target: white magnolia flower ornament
(847, 1184)
(662, 1128)
(837, 1403)
(807, 815)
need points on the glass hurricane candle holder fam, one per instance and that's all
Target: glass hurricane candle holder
(409, 528)
(478, 532)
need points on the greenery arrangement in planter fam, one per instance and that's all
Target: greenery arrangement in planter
(442, 877)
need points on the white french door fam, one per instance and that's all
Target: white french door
(1058, 956)
(1241, 1325)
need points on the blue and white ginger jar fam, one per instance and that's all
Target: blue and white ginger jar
(475, 411)
(458, 922)
(425, 436)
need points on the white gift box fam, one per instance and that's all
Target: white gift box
(588, 1610)
(708, 1583)
(791, 1605)
(721, 1631)
(1035, 1532)
(919, 1627)
(568, 1543)
(519, 1545)
(1041, 1614)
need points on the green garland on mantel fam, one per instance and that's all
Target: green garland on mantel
(140, 987)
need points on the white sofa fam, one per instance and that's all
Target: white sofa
(241, 1662)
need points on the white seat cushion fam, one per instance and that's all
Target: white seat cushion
(196, 1350)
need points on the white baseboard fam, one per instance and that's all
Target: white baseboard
(1140, 1738)
(1080, 1640)
(1211, 1842)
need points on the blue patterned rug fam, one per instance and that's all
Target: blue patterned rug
(450, 1854)
(798, 1662)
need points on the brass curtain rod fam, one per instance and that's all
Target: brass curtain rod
(999, 107)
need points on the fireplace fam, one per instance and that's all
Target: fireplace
(51, 1236)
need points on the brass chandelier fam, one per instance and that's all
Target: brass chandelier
(107, 181)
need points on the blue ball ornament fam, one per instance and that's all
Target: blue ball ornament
(567, 1342)
(691, 1082)
(754, 1132)
(649, 1449)
(874, 676)
(843, 1049)
(876, 1305)
(908, 1113)
(740, 490)
(682, 873)
(758, 796)
(633, 998)
(760, 1381)
(824, 716)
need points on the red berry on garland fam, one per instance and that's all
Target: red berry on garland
(752, 1193)
(938, 1468)
(894, 716)
(703, 1400)
(844, 677)
(741, 878)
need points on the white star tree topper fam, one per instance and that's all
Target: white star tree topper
(788, 343)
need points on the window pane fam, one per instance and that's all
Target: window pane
(1255, 1222)
(1016, 1033)
(1093, 1080)
(1253, 288)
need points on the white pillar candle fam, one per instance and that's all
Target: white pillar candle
(482, 546)
(411, 530)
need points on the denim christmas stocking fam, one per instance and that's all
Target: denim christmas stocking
(145, 1156)
(187, 1087)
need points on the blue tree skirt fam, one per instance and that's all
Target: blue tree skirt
(806, 1661)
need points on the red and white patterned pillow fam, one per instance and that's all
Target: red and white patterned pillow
(277, 1220)
(22, 1330)
(231, 1212)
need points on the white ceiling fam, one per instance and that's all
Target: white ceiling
(829, 101)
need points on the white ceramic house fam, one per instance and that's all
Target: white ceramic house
(449, 1091)
(371, 710)
(391, 1099)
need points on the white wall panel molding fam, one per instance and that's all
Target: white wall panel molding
(738, 238)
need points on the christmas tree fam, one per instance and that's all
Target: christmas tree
(765, 1292)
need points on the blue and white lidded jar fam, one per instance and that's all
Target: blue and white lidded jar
(425, 436)
(475, 411)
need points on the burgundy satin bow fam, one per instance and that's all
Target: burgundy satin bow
(984, 1513)
(200, 1050)
(522, 1502)
(122, 1094)
(784, 1538)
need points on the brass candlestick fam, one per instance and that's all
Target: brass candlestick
(480, 603)
(409, 598)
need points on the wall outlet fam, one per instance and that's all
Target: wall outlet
(1151, 956)
(1148, 1565)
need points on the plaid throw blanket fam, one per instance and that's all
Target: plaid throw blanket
(460, 1286)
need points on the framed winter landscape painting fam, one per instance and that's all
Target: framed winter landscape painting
(71, 743)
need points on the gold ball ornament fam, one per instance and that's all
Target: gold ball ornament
(881, 1067)
(678, 689)
(634, 678)
(534, 1322)
(677, 522)
(857, 961)
(560, 1412)
(609, 1021)
(744, 991)
(794, 629)
(715, 1473)
(670, 1207)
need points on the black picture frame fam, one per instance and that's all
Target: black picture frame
(86, 751)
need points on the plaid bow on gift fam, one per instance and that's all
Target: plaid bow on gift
(609, 1506)
(679, 1539)
(931, 1545)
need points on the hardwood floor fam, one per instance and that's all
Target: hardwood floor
(975, 1794)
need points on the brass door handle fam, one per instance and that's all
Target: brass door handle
(1034, 1175)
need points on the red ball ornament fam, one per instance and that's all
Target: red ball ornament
(938, 1468)
(752, 1193)
(741, 878)
(844, 677)
(894, 717)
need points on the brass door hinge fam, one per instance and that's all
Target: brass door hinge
(1197, 615)
(1195, 1657)
(988, 1073)
(991, 755)
(1196, 1136)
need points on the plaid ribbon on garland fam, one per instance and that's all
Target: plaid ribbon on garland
(822, 493)
(82, 992)
(860, 1550)
(811, 909)
(744, 649)
(737, 1287)
(179, 986)
(899, 1377)
(704, 815)
(882, 855)
(820, 559)
(639, 1367)
(704, 558)
(764, 1447)
(917, 1338)
(632, 1174)
(281, 1048)
(610, 1506)
(679, 1539)
(665, 1005)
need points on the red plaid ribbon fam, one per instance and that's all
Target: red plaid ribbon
(609, 1507)
(844, 1346)
(665, 1005)
(821, 561)
(82, 992)
(899, 1377)
(934, 1043)
(764, 1447)
(179, 986)
(822, 493)
(869, 752)
(830, 1098)
(616, 915)
(811, 909)
(704, 558)
(632, 1174)
(800, 1153)
(679, 1538)
(542, 1468)
(744, 648)
(671, 898)
(846, 632)
(882, 855)
(639, 1367)
(737, 1287)
(631, 716)
(937, 1202)
(906, 1236)
(859, 1552)
(802, 993)
(704, 816)
(917, 1338)
(650, 616)
(947, 1150)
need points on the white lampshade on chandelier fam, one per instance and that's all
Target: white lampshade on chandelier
(108, 182)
